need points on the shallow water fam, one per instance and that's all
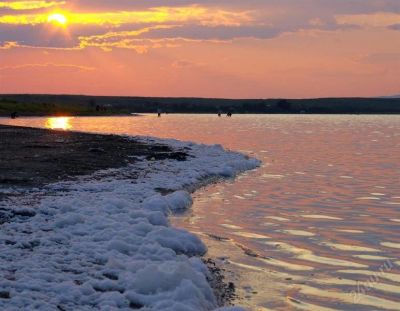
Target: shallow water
(317, 227)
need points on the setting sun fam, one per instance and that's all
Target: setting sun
(57, 18)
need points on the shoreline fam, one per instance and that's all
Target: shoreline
(33, 157)
(116, 192)
(45, 104)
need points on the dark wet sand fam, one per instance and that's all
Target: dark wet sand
(31, 157)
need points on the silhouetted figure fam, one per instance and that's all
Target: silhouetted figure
(159, 113)
(229, 114)
(14, 115)
(219, 113)
(98, 108)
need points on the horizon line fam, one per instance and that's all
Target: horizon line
(201, 97)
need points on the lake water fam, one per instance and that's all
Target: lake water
(317, 227)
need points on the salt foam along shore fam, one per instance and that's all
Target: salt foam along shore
(105, 242)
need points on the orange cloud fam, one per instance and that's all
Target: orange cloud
(30, 5)
(369, 20)
(195, 13)
(12, 44)
(141, 46)
(123, 34)
(47, 65)
(130, 40)
(9, 45)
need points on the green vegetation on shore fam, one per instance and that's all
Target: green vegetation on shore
(35, 106)
(79, 105)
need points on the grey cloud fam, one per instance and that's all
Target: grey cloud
(198, 32)
(331, 6)
(394, 27)
(39, 35)
(383, 58)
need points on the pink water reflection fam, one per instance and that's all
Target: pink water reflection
(320, 215)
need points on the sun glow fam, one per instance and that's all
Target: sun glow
(57, 18)
(59, 123)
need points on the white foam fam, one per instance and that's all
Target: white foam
(105, 242)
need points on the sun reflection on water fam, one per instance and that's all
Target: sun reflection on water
(59, 123)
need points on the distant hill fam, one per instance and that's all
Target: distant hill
(391, 96)
(43, 105)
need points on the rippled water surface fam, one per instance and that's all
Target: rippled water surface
(317, 227)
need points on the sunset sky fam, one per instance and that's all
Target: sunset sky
(210, 48)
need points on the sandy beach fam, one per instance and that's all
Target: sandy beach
(32, 157)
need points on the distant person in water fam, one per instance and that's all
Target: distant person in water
(14, 115)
